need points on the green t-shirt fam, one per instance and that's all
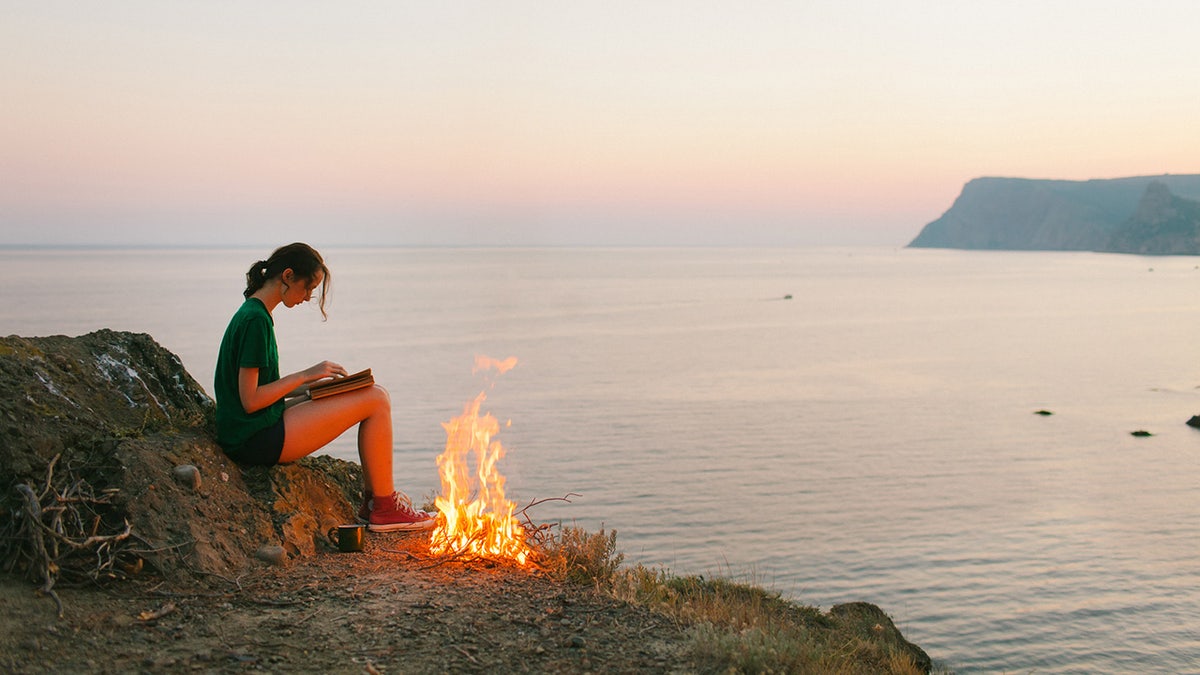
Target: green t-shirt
(249, 342)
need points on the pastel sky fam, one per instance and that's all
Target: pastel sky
(204, 122)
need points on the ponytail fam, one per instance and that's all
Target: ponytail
(255, 278)
(302, 259)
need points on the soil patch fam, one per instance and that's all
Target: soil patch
(389, 609)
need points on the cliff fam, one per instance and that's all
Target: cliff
(1055, 215)
(1163, 224)
(162, 570)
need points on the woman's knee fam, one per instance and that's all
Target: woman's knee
(380, 399)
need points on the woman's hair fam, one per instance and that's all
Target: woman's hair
(302, 259)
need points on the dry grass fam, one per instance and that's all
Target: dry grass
(580, 557)
(734, 627)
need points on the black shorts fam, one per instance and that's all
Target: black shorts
(261, 449)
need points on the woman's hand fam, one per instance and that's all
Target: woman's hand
(255, 397)
(323, 370)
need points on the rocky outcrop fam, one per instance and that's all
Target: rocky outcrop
(1163, 224)
(1024, 214)
(863, 618)
(113, 437)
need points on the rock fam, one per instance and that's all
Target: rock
(307, 504)
(119, 412)
(1140, 433)
(271, 554)
(187, 475)
(1194, 421)
(872, 623)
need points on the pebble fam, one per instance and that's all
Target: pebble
(274, 555)
(187, 474)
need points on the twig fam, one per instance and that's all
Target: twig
(405, 553)
(465, 653)
(539, 502)
(49, 475)
(237, 581)
(90, 541)
(275, 603)
(314, 613)
(143, 551)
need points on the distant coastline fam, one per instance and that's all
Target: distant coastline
(1147, 215)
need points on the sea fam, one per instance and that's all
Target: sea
(990, 446)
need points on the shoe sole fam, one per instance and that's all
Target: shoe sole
(398, 527)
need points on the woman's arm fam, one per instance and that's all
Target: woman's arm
(255, 397)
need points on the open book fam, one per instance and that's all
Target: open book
(339, 385)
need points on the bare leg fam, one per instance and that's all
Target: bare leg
(311, 425)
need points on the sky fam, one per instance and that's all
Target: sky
(244, 122)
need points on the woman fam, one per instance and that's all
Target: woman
(254, 426)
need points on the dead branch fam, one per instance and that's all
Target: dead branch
(63, 531)
(98, 541)
(538, 502)
(49, 476)
(42, 564)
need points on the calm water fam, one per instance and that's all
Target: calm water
(872, 438)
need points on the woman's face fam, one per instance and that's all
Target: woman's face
(298, 290)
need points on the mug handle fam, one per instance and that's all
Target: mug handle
(333, 535)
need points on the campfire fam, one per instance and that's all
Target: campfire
(475, 519)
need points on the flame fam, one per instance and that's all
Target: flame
(474, 516)
(488, 363)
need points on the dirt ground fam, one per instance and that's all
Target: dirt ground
(389, 609)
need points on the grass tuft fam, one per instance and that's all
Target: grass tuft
(582, 558)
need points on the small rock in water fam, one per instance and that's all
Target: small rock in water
(1141, 433)
(1043, 412)
(188, 475)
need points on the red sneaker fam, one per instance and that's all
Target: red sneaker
(396, 512)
